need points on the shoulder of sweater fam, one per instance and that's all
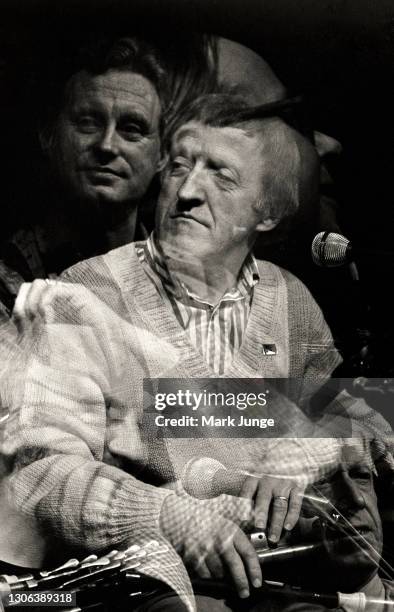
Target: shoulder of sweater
(96, 271)
(96, 284)
(268, 269)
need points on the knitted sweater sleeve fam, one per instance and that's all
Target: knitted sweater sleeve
(56, 436)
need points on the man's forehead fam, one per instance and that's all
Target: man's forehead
(356, 452)
(227, 139)
(123, 86)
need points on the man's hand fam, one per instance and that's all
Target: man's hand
(210, 542)
(277, 501)
(226, 550)
(31, 301)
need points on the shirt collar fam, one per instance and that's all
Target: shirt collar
(249, 276)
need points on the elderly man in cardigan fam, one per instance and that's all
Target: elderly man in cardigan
(191, 302)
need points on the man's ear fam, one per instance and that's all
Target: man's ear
(266, 225)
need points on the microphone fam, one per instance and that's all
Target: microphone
(330, 250)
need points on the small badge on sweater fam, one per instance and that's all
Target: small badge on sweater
(269, 349)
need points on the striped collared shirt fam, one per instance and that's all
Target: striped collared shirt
(216, 331)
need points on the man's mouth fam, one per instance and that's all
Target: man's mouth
(341, 529)
(189, 217)
(104, 171)
(361, 530)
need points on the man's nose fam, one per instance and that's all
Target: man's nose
(191, 189)
(107, 142)
(351, 498)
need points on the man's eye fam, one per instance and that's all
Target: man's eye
(225, 180)
(178, 166)
(225, 176)
(360, 474)
(87, 124)
(364, 476)
(222, 173)
(131, 131)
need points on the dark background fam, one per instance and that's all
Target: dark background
(339, 53)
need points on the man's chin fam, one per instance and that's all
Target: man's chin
(356, 565)
(182, 247)
(105, 194)
(105, 204)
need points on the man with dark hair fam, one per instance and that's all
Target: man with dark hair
(99, 116)
(102, 140)
(191, 302)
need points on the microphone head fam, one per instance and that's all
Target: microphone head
(330, 249)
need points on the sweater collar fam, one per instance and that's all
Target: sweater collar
(131, 270)
(248, 277)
